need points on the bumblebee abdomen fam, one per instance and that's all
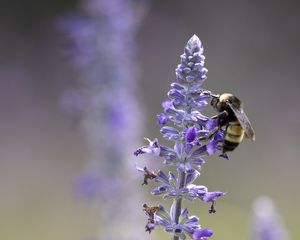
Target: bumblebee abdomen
(234, 135)
(234, 132)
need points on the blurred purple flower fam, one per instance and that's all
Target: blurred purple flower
(100, 42)
(88, 186)
(266, 222)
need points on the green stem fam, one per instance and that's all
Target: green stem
(181, 180)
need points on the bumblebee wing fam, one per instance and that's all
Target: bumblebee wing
(244, 121)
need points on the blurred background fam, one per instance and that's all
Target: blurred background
(252, 50)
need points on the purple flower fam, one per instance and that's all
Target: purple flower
(192, 61)
(152, 148)
(163, 118)
(193, 136)
(167, 104)
(202, 234)
(186, 224)
(211, 124)
(170, 133)
(211, 196)
(212, 146)
(195, 191)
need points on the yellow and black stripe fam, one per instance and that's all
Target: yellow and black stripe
(234, 135)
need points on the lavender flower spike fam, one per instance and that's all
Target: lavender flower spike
(192, 136)
(266, 222)
(101, 42)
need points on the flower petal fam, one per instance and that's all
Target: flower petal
(191, 135)
(192, 176)
(163, 118)
(202, 234)
(211, 196)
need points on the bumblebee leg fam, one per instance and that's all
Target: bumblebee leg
(221, 116)
(209, 137)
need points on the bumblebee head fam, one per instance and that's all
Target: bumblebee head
(220, 102)
(230, 98)
(214, 100)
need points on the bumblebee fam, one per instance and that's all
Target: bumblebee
(233, 118)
